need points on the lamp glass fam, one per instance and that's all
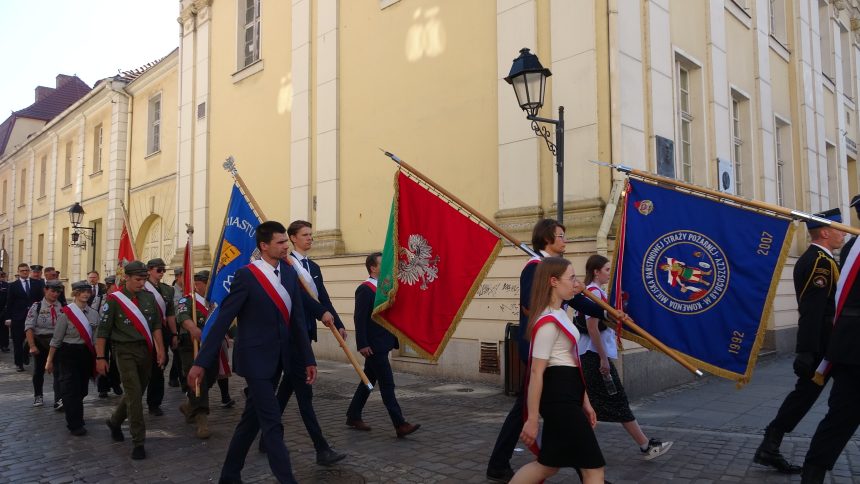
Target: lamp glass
(76, 214)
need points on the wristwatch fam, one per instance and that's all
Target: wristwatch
(101, 358)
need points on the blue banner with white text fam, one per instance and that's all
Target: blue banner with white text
(236, 248)
(699, 275)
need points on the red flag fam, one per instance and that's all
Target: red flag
(433, 262)
(125, 254)
(188, 271)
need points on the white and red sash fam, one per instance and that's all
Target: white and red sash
(132, 312)
(82, 324)
(306, 278)
(159, 299)
(847, 279)
(371, 283)
(570, 331)
(202, 307)
(223, 361)
(265, 275)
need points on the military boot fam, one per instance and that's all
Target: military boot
(202, 421)
(768, 453)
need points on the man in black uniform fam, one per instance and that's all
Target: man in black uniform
(815, 276)
(843, 416)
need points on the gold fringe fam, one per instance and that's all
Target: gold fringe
(818, 378)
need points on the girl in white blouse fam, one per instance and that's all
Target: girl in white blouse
(556, 388)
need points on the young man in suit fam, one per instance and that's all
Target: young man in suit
(374, 342)
(4, 330)
(301, 236)
(265, 298)
(98, 290)
(22, 294)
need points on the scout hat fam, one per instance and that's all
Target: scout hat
(81, 286)
(136, 268)
(110, 280)
(178, 271)
(202, 276)
(159, 262)
(55, 284)
(855, 202)
(36, 267)
(834, 215)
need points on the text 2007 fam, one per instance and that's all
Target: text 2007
(737, 341)
(764, 244)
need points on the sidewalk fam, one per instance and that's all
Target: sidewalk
(716, 430)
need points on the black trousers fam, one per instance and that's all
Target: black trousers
(797, 404)
(74, 378)
(509, 435)
(155, 390)
(294, 381)
(110, 381)
(261, 414)
(377, 368)
(39, 360)
(841, 421)
(4, 335)
(17, 330)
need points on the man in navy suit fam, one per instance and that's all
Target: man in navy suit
(265, 299)
(22, 294)
(374, 342)
(319, 308)
(4, 330)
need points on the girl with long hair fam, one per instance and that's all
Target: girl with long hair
(556, 388)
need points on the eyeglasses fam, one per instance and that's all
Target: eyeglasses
(159, 270)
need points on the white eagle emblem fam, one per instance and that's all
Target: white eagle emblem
(417, 263)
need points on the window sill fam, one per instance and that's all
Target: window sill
(153, 154)
(95, 173)
(780, 48)
(42, 197)
(849, 103)
(386, 3)
(828, 83)
(739, 13)
(66, 186)
(248, 71)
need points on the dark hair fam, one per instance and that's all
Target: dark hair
(50, 269)
(266, 230)
(594, 263)
(541, 294)
(297, 225)
(371, 260)
(93, 272)
(23, 264)
(543, 233)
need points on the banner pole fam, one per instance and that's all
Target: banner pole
(189, 229)
(605, 306)
(787, 212)
(127, 225)
(230, 166)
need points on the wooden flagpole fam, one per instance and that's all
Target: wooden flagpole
(230, 166)
(618, 315)
(189, 229)
(787, 212)
(127, 225)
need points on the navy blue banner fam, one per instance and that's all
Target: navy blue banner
(698, 275)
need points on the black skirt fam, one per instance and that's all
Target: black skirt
(567, 439)
(609, 408)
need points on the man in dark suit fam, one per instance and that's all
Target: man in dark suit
(98, 290)
(815, 277)
(21, 295)
(265, 298)
(319, 308)
(4, 330)
(374, 342)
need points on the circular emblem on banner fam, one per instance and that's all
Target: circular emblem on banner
(685, 272)
(644, 207)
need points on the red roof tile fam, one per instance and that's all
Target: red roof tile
(56, 102)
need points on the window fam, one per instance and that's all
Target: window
(832, 174)
(154, 127)
(782, 142)
(685, 126)
(778, 17)
(22, 195)
(826, 33)
(249, 32)
(43, 175)
(847, 78)
(20, 250)
(67, 177)
(5, 196)
(64, 252)
(737, 146)
(98, 142)
(40, 249)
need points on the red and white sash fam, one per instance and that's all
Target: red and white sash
(265, 275)
(847, 279)
(371, 283)
(223, 361)
(159, 299)
(202, 307)
(569, 330)
(132, 312)
(82, 324)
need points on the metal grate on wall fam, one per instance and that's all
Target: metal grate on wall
(490, 358)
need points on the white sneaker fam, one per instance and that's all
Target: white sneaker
(656, 448)
(38, 402)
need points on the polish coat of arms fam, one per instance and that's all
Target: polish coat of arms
(416, 264)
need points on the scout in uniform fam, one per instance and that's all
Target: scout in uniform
(73, 345)
(196, 409)
(815, 277)
(163, 295)
(104, 383)
(132, 321)
(39, 328)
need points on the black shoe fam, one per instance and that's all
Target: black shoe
(775, 460)
(138, 453)
(156, 411)
(4, 349)
(173, 383)
(329, 456)
(19, 369)
(228, 404)
(79, 432)
(115, 432)
(103, 394)
(500, 475)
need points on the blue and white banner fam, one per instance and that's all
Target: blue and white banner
(699, 275)
(237, 247)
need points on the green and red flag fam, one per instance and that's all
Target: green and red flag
(433, 262)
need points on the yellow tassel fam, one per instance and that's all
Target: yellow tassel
(818, 379)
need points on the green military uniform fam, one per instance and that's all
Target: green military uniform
(133, 357)
(186, 352)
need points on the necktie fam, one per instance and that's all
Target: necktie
(27, 286)
(95, 290)
(306, 265)
(53, 316)
(277, 273)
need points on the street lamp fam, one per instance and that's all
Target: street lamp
(76, 215)
(528, 77)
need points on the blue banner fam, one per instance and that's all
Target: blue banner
(699, 275)
(236, 248)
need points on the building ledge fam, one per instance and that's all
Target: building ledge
(248, 71)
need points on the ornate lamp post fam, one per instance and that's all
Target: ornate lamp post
(76, 215)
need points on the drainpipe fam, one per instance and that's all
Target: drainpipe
(602, 241)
